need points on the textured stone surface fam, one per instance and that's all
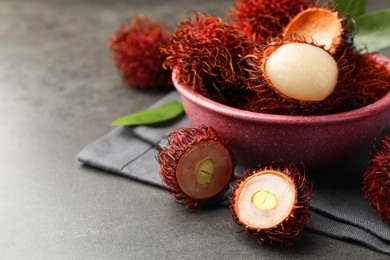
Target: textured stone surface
(59, 91)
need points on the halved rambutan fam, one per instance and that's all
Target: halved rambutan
(297, 77)
(135, 49)
(262, 19)
(208, 56)
(376, 180)
(272, 203)
(196, 165)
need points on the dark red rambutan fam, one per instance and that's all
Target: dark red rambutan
(272, 203)
(195, 165)
(209, 56)
(261, 19)
(376, 180)
(368, 82)
(135, 48)
(296, 77)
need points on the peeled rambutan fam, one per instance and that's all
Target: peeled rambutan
(208, 56)
(195, 165)
(296, 77)
(262, 19)
(135, 48)
(272, 203)
(376, 180)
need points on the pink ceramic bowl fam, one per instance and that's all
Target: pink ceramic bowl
(314, 140)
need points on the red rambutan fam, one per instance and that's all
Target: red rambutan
(196, 165)
(209, 56)
(135, 48)
(376, 180)
(367, 83)
(272, 203)
(261, 19)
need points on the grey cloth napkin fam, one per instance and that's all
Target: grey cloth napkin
(338, 208)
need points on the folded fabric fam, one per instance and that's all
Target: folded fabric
(338, 208)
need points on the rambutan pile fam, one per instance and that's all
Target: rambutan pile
(361, 79)
(135, 49)
(208, 56)
(229, 63)
(376, 180)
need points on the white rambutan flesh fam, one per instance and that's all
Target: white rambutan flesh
(302, 71)
(266, 200)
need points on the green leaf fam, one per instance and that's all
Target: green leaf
(164, 112)
(373, 31)
(352, 8)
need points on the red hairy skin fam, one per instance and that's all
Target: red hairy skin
(261, 19)
(208, 55)
(376, 180)
(368, 82)
(265, 99)
(179, 141)
(288, 231)
(135, 49)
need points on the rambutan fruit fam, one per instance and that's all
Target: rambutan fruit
(368, 82)
(262, 19)
(208, 56)
(321, 25)
(135, 49)
(195, 165)
(376, 180)
(272, 203)
(296, 77)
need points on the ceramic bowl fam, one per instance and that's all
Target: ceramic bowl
(314, 140)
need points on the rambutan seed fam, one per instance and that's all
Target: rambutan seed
(135, 49)
(272, 203)
(301, 71)
(376, 180)
(196, 165)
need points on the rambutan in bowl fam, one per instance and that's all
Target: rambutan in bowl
(315, 141)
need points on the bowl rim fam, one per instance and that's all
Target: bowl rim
(377, 107)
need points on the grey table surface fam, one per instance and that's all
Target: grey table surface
(59, 91)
